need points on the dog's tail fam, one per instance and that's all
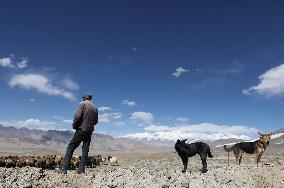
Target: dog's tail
(228, 149)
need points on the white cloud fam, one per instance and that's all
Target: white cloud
(6, 62)
(31, 99)
(129, 103)
(104, 108)
(182, 119)
(57, 117)
(246, 92)
(109, 117)
(31, 124)
(116, 115)
(67, 121)
(179, 71)
(203, 131)
(40, 83)
(23, 63)
(70, 84)
(142, 116)
(271, 83)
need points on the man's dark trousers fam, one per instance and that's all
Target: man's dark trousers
(79, 136)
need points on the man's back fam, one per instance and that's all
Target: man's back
(87, 114)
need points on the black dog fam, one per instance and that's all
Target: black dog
(187, 150)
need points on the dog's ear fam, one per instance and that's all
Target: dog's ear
(184, 140)
(178, 141)
(260, 133)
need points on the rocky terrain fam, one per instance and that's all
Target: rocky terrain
(140, 165)
(158, 170)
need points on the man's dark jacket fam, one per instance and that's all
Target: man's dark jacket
(85, 116)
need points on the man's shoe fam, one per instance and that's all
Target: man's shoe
(62, 171)
(80, 172)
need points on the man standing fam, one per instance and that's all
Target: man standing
(85, 117)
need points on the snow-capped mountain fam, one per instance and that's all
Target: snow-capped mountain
(168, 136)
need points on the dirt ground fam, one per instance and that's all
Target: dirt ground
(158, 170)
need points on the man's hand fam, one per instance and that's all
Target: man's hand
(75, 126)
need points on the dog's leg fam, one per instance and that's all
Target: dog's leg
(240, 158)
(255, 158)
(184, 161)
(204, 163)
(258, 158)
(237, 155)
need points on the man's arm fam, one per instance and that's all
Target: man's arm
(78, 116)
(96, 116)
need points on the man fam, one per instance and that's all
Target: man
(85, 117)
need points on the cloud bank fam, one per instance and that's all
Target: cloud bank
(181, 119)
(203, 131)
(40, 83)
(7, 62)
(145, 117)
(104, 108)
(70, 84)
(271, 83)
(31, 124)
(129, 103)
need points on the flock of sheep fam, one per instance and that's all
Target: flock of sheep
(53, 161)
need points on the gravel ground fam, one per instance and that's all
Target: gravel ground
(157, 170)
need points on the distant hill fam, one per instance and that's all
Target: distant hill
(278, 137)
(278, 131)
(25, 140)
(11, 137)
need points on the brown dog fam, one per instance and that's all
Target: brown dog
(256, 148)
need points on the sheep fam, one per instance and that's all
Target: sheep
(20, 163)
(41, 162)
(94, 161)
(103, 159)
(58, 161)
(112, 161)
(45, 162)
(74, 163)
(91, 162)
(97, 160)
(50, 163)
(30, 161)
(10, 163)
(2, 162)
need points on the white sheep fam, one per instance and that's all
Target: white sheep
(103, 159)
(112, 161)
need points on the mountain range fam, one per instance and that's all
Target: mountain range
(14, 139)
(11, 137)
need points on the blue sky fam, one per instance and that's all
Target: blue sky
(150, 64)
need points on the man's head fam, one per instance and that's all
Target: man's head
(87, 97)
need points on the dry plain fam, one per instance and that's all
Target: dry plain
(159, 169)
